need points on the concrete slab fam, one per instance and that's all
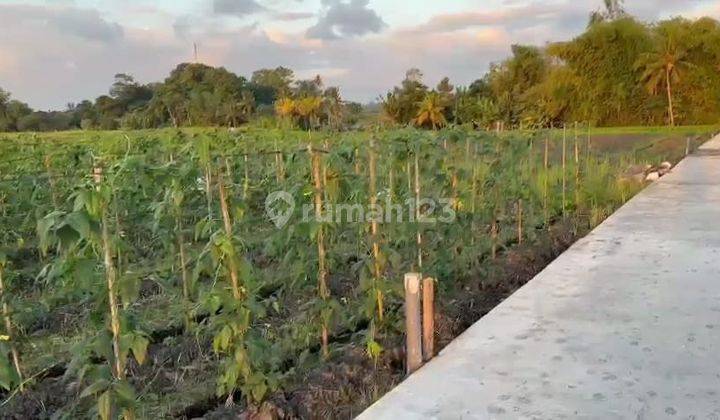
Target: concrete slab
(624, 325)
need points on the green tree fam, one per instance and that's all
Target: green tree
(663, 67)
(431, 112)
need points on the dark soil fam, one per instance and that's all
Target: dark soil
(338, 389)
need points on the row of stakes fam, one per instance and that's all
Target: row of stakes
(420, 315)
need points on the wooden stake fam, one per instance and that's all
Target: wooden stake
(322, 270)
(428, 318)
(587, 149)
(227, 223)
(577, 168)
(246, 169)
(493, 236)
(9, 331)
(417, 211)
(111, 278)
(413, 322)
(520, 221)
(208, 189)
(474, 197)
(279, 170)
(546, 211)
(564, 164)
(374, 229)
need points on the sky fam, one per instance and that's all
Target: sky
(54, 52)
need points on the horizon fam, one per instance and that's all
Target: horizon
(361, 46)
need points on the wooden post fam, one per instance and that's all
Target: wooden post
(546, 211)
(9, 330)
(417, 211)
(587, 149)
(494, 236)
(413, 341)
(279, 170)
(227, 223)
(111, 278)
(564, 164)
(577, 168)
(428, 318)
(246, 180)
(687, 146)
(374, 229)
(473, 204)
(323, 290)
(520, 221)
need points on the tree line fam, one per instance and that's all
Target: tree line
(193, 94)
(620, 71)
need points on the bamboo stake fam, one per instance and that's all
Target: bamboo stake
(417, 210)
(357, 162)
(246, 169)
(428, 319)
(493, 236)
(208, 189)
(111, 278)
(9, 331)
(374, 229)
(322, 270)
(474, 196)
(577, 168)
(413, 322)
(227, 224)
(546, 181)
(564, 164)
(454, 183)
(587, 150)
(279, 172)
(408, 171)
(520, 221)
(391, 183)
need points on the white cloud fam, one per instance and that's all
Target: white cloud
(50, 55)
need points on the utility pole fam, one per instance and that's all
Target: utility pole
(195, 51)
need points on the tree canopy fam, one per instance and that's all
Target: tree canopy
(620, 71)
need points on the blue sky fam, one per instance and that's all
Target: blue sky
(58, 51)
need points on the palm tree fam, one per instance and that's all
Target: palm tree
(432, 111)
(247, 103)
(662, 68)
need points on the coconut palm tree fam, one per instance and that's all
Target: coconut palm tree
(662, 68)
(432, 112)
(247, 103)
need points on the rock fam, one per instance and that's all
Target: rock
(652, 176)
(664, 168)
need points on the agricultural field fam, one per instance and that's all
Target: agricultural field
(207, 273)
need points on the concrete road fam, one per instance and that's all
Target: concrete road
(624, 325)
